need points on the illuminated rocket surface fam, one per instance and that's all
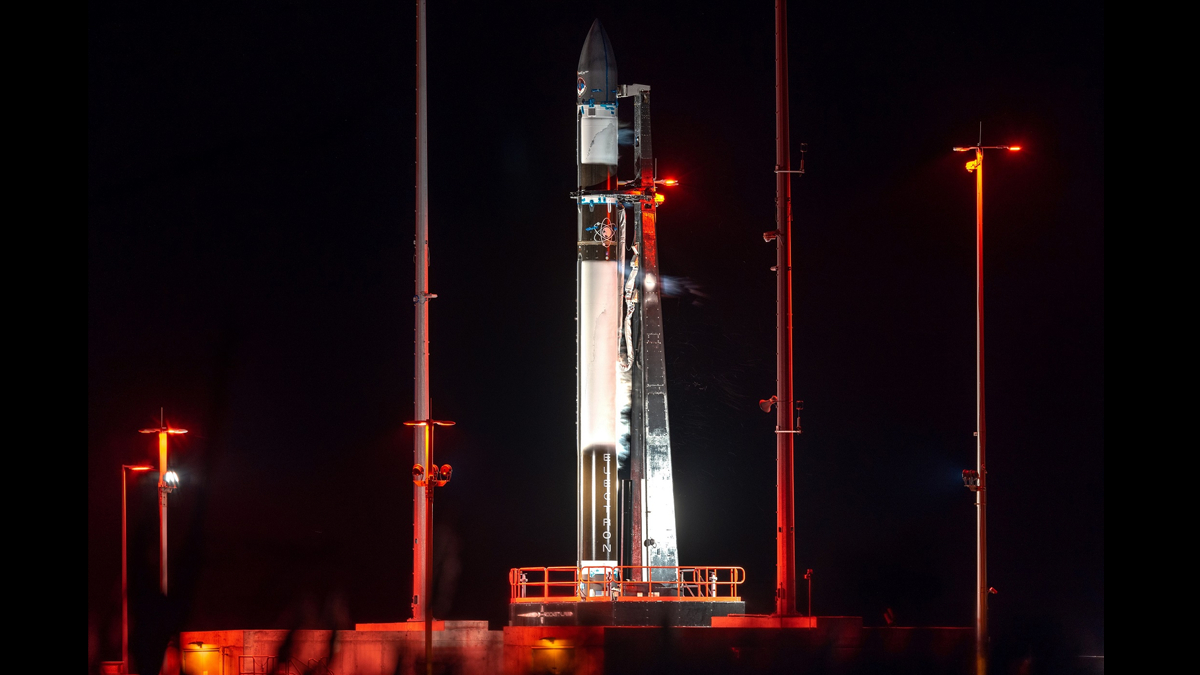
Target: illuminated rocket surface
(626, 503)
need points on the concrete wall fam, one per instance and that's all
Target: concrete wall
(467, 649)
(562, 650)
(838, 645)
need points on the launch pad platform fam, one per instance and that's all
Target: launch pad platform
(627, 612)
(612, 595)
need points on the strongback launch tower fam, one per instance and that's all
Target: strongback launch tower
(651, 502)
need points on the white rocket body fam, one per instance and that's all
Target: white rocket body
(599, 316)
(599, 305)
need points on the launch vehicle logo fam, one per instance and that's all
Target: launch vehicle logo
(542, 616)
(607, 513)
(604, 232)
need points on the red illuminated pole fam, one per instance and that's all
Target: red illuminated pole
(162, 510)
(125, 469)
(785, 515)
(980, 487)
(428, 552)
(426, 475)
(166, 485)
(981, 616)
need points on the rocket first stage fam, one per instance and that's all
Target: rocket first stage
(626, 503)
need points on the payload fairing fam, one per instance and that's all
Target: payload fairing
(626, 501)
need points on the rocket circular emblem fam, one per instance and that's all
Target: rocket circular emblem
(605, 232)
(581, 85)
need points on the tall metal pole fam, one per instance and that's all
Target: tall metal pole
(981, 586)
(427, 475)
(422, 540)
(978, 482)
(429, 549)
(166, 484)
(125, 469)
(785, 518)
(124, 576)
(162, 510)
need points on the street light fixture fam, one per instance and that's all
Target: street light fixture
(976, 480)
(125, 469)
(429, 476)
(167, 482)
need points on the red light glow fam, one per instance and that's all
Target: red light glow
(1015, 148)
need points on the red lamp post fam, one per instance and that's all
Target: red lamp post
(428, 475)
(125, 469)
(785, 508)
(167, 482)
(976, 480)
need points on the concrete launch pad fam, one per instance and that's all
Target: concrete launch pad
(838, 645)
(373, 649)
(624, 612)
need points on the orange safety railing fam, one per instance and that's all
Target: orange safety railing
(624, 583)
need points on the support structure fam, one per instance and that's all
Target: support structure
(125, 469)
(427, 476)
(981, 584)
(422, 543)
(124, 571)
(976, 479)
(162, 510)
(651, 438)
(785, 514)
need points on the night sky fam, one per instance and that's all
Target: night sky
(250, 269)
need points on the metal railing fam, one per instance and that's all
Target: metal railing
(624, 583)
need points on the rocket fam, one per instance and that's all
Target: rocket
(626, 508)
(598, 301)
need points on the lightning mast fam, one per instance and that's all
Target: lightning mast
(785, 431)
(421, 537)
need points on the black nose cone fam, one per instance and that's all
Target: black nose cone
(597, 81)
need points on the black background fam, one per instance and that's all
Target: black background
(250, 245)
